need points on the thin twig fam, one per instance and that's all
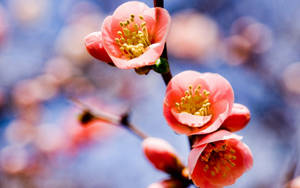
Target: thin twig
(137, 131)
(158, 3)
(168, 75)
(110, 118)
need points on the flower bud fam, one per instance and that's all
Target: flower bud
(169, 183)
(162, 155)
(237, 119)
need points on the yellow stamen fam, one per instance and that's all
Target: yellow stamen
(218, 158)
(194, 102)
(134, 38)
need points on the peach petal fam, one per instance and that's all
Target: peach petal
(109, 34)
(161, 27)
(216, 136)
(131, 7)
(174, 124)
(191, 120)
(93, 44)
(195, 154)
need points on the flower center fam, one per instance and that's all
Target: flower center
(134, 38)
(195, 102)
(218, 158)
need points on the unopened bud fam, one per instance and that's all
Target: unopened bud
(169, 183)
(237, 119)
(162, 155)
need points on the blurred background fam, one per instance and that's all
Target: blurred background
(255, 44)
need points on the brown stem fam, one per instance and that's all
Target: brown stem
(89, 115)
(168, 75)
(158, 3)
(126, 123)
(191, 141)
(137, 131)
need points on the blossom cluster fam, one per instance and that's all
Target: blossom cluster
(198, 105)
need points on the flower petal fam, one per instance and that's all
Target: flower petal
(124, 11)
(190, 119)
(194, 156)
(93, 44)
(216, 136)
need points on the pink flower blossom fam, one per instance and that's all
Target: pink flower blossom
(237, 119)
(162, 155)
(134, 36)
(93, 44)
(169, 183)
(218, 159)
(197, 103)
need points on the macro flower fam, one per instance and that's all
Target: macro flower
(197, 103)
(237, 119)
(218, 159)
(162, 155)
(168, 183)
(134, 36)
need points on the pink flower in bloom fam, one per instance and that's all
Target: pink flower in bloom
(169, 183)
(218, 159)
(197, 103)
(93, 44)
(162, 155)
(237, 119)
(134, 36)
